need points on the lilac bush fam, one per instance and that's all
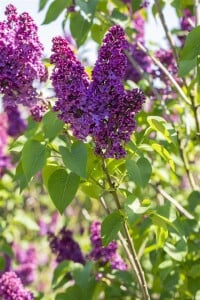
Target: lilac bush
(115, 141)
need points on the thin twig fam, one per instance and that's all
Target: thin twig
(179, 207)
(166, 72)
(194, 106)
(167, 32)
(196, 12)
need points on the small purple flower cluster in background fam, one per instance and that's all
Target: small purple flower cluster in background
(65, 247)
(16, 125)
(102, 254)
(187, 23)
(101, 108)
(138, 55)
(11, 288)
(166, 57)
(5, 162)
(27, 263)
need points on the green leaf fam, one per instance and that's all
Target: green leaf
(192, 45)
(42, 4)
(72, 293)
(88, 7)
(79, 28)
(82, 275)
(164, 153)
(2, 263)
(52, 125)
(185, 66)
(98, 32)
(111, 226)
(118, 17)
(136, 4)
(161, 230)
(91, 189)
(194, 271)
(194, 202)
(47, 171)
(20, 177)
(33, 158)
(59, 272)
(177, 251)
(159, 124)
(55, 9)
(76, 160)
(140, 171)
(62, 188)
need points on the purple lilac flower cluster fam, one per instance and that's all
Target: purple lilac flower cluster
(11, 288)
(5, 162)
(166, 57)
(27, 263)
(104, 254)
(16, 125)
(187, 23)
(20, 60)
(138, 55)
(101, 108)
(65, 247)
(70, 82)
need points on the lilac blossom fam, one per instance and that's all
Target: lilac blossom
(166, 57)
(143, 60)
(98, 107)
(20, 60)
(70, 82)
(11, 288)
(106, 254)
(16, 125)
(65, 247)
(187, 23)
(26, 264)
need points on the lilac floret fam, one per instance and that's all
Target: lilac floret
(16, 125)
(106, 254)
(65, 247)
(11, 288)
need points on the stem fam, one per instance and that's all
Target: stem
(180, 208)
(196, 12)
(133, 255)
(166, 72)
(167, 32)
(194, 107)
(124, 244)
